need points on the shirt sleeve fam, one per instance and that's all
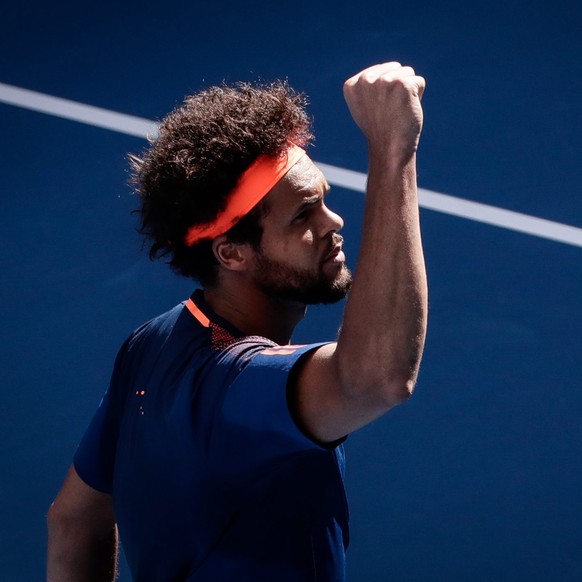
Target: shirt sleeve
(255, 414)
(95, 456)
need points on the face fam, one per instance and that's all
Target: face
(300, 257)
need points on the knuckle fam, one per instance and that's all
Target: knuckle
(349, 82)
(368, 77)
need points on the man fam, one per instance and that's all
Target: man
(217, 449)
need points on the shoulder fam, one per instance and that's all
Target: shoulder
(261, 357)
(159, 326)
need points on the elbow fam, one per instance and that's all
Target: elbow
(384, 381)
(379, 355)
(403, 390)
(395, 390)
(385, 391)
(396, 380)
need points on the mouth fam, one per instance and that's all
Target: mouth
(336, 255)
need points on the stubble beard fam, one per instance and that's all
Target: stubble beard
(285, 282)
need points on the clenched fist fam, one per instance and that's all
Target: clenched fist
(384, 101)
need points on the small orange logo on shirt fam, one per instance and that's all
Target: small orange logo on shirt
(281, 351)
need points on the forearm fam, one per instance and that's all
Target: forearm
(382, 337)
(75, 556)
(375, 362)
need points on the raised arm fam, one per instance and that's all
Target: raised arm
(82, 543)
(375, 363)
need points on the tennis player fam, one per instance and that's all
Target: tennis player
(216, 453)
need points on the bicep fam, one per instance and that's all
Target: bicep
(325, 407)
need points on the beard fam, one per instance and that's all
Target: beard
(283, 281)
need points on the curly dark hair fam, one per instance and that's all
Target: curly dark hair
(185, 175)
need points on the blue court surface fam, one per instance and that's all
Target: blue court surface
(479, 476)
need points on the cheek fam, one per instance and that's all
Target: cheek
(300, 245)
(308, 237)
(288, 246)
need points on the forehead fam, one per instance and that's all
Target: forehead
(303, 180)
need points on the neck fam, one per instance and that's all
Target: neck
(254, 313)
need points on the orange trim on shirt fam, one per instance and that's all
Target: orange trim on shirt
(282, 351)
(195, 311)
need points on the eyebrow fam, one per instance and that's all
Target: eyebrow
(310, 200)
(306, 203)
(314, 198)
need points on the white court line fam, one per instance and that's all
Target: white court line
(463, 208)
(140, 127)
(120, 122)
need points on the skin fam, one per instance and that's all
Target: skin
(299, 208)
(299, 232)
(82, 543)
(374, 364)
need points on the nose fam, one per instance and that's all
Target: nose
(332, 221)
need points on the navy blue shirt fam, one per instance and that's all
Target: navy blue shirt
(212, 480)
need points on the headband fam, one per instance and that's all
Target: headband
(254, 184)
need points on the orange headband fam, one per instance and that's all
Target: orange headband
(254, 184)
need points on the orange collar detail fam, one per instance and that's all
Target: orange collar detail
(254, 184)
(197, 313)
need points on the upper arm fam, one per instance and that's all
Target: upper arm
(78, 505)
(324, 406)
(82, 540)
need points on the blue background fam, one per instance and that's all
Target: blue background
(479, 476)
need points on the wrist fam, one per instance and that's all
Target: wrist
(392, 160)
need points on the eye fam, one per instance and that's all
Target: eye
(306, 209)
(300, 217)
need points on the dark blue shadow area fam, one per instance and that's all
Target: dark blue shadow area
(478, 477)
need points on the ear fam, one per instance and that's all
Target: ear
(232, 256)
